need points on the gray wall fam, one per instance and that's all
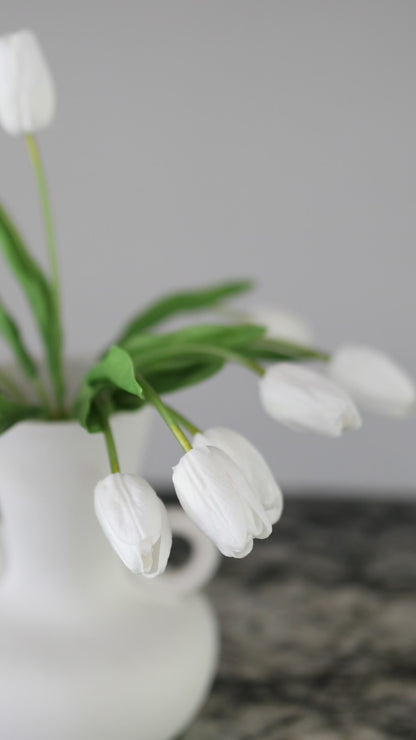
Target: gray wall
(201, 140)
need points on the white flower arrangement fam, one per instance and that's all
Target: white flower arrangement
(222, 481)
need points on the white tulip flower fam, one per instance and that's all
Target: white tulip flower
(281, 324)
(373, 380)
(135, 522)
(306, 401)
(216, 495)
(27, 95)
(251, 463)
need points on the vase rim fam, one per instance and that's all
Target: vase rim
(43, 424)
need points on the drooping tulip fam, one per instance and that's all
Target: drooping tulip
(27, 95)
(307, 401)
(251, 463)
(373, 379)
(135, 522)
(281, 324)
(216, 495)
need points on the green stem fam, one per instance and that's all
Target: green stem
(184, 421)
(11, 387)
(205, 349)
(41, 391)
(102, 407)
(166, 414)
(51, 241)
(111, 447)
(17, 392)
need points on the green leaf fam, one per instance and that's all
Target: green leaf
(11, 412)
(206, 345)
(11, 333)
(117, 369)
(167, 361)
(38, 292)
(232, 337)
(276, 350)
(188, 356)
(107, 383)
(181, 302)
(167, 381)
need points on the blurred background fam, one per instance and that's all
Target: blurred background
(197, 141)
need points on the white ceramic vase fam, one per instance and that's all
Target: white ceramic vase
(87, 651)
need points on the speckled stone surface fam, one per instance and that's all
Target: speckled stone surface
(319, 629)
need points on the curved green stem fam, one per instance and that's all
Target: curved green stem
(184, 421)
(111, 447)
(51, 241)
(102, 408)
(168, 417)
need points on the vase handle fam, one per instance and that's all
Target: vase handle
(201, 565)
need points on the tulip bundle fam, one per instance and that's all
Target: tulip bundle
(222, 481)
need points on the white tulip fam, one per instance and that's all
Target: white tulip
(250, 462)
(135, 522)
(216, 495)
(306, 401)
(373, 380)
(281, 324)
(27, 95)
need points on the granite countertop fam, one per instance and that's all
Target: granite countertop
(319, 629)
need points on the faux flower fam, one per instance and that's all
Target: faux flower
(281, 324)
(216, 495)
(135, 522)
(251, 463)
(27, 96)
(306, 401)
(373, 380)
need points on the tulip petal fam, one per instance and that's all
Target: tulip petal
(281, 324)
(27, 96)
(252, 464)
(306, 401)
(135, 522)
(216, 496)
(373, 379)
(162, 547)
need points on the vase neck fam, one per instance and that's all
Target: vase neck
(53, 542)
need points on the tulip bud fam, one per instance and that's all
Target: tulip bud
(281, 324)
(135, 522)
(217, 497)
(27, 96)
(306, 401)
(252, 464)
(373, 380)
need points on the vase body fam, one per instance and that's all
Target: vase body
(87, 651)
